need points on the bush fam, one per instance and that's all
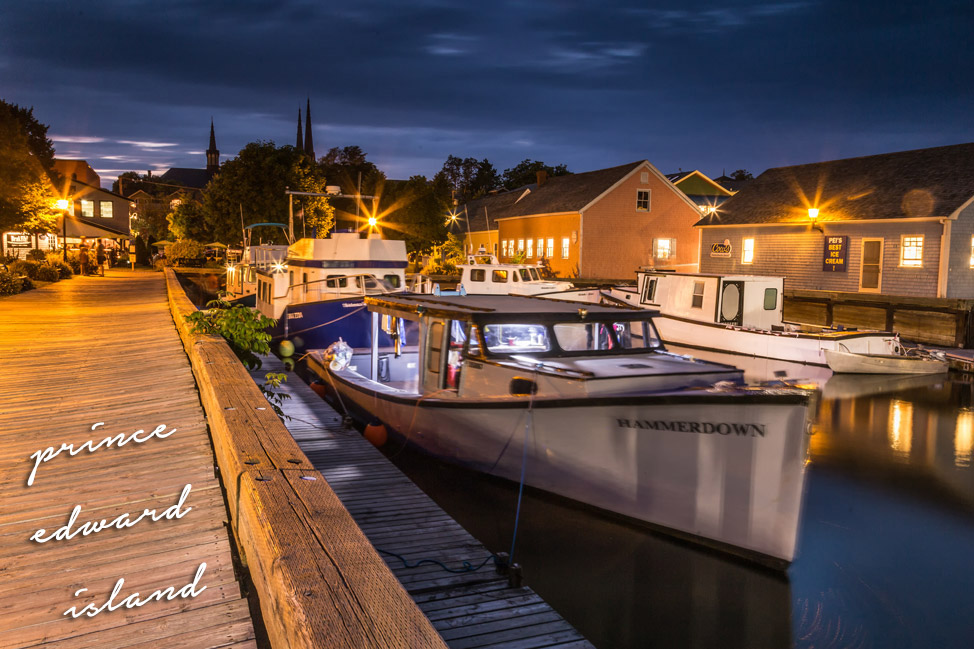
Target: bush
(10, 283)
(24, 267)
(74, 261)
(55, 259)
(242, 327)
(35, 254)
(48, 273)
(184, 249)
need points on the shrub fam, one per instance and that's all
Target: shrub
(74, 262)
(184, 249)
(35, 254)
(10, 283)
(242, 327)
(24, 267)
(64, 269)
(48, 273)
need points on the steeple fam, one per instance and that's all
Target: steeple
(309, 145)
(212, 154)
(300, 145)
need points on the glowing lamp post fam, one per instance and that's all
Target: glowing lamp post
(62, 204)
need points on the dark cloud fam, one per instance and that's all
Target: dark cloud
(686, 85)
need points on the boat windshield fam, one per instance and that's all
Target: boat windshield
(516, 338)
(636, 334)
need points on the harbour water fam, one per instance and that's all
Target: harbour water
(886, 546)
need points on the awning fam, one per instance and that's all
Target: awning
(76, 228)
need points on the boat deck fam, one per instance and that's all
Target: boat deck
(104, 349)
(473, 609)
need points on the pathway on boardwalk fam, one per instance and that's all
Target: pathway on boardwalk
(474, 609)
(73, 354)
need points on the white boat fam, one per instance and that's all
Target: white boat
(738, 314)
(589, 404)
(483, 274)
(242, 272)
(852, 363)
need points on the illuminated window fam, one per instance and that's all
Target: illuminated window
(106, 209)
(540, 248)
(747, 254)
(642, 200)
(664, 249)
(530, 251)
(504, 248)
(972, 252)
(551, 248)
(911, 251)
(564, 248)
(520, 245)
(87, 208)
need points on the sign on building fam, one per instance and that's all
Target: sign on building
(18, 240)
(836, 256)
(721, 249)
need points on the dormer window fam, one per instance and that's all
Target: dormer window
(642, 200)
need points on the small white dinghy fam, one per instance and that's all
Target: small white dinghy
(852, 363)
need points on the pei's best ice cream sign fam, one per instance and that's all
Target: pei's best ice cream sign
(836, 254)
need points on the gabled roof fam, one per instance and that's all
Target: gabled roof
(190, 178)
(70, 182)
(696, 183)
(558, 194)
(909, 184)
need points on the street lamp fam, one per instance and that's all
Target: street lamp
(62, 204)
(813, 215)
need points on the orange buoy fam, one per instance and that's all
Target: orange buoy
(376, 433)
(318, 387)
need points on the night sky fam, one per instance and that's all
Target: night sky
(132, 84)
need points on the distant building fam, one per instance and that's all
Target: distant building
(95, 213)
(600, 224)
(196, 178)
(897, 224)
(707, 194)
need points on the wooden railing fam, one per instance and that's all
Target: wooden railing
(320, 582)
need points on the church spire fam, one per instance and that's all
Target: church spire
(309, 145)
(300, 145)
(212, 154)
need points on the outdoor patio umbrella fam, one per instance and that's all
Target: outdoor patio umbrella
(162, 243)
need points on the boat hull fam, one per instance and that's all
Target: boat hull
(725, 469)
(843, 362)
(316, 325)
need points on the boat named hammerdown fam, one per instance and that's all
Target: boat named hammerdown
(588, 404)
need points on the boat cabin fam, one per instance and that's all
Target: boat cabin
(343, 265)
(735, 300)
(484, 275)
(469, 346)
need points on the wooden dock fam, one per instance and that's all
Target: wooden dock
(469, 610)
(73, 354)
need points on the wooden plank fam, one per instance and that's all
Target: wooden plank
(933, 328)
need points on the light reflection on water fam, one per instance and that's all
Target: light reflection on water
(886, 547)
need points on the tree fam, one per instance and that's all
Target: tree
(415, 214)
(467, 178)
(254, 182)
(343, 167)
(526, 173)
(153, 210)
(742, 174)
(188, 221)
(27, 195)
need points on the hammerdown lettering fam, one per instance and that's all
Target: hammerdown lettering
(699, 427)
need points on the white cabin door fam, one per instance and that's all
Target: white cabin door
(731, 303)
(871, 272)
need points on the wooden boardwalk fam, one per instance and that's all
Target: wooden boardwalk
(469, 610)
(73, 354)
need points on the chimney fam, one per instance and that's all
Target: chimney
(542, 177)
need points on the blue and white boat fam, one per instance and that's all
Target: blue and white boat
(317, 293)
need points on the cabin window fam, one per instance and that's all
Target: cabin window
(478, 275)
(339, 281)
(516, 338)
(551, 248)
(530, 250)
(664, 249)
(697, 295)
(525, 274)
(770, 299)
(454, 357)
(747, 251)
(435, 347)
(106, 209)
(636, 334)
(473, 349)
(564, 248)
(498, 276)
(393, 280)
(911, 251)
(514, 276)
(583, 336)
(642, 200)
(534, 274)
(649, 290)
(87, 208)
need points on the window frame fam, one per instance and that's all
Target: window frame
(101, 209)
(565, 242)
(640, 201)
(912, 262)
(747, 251)
(697, 298)
(90, 204)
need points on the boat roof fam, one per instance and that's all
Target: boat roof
(498, 307)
